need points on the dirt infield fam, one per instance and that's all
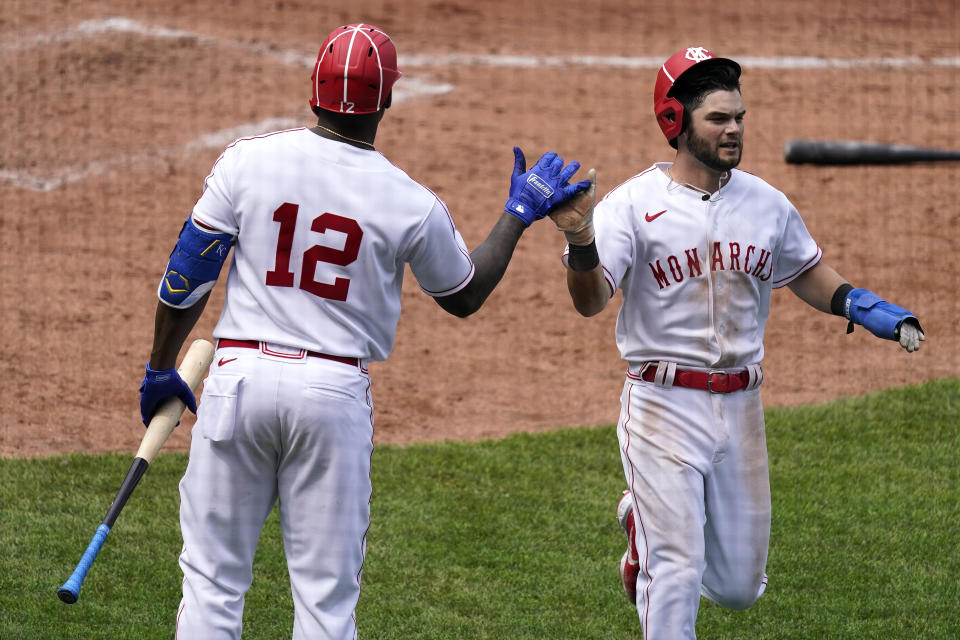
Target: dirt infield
(113, 116)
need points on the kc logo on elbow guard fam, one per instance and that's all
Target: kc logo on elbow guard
(541, 186)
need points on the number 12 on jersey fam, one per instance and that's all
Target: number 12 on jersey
(281, 276)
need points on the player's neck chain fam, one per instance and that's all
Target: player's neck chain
(348, 138)
(706, 194)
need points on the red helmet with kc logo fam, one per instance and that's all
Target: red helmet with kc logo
(668, 110)
(355, 70)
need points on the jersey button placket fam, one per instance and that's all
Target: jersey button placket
(715, 285)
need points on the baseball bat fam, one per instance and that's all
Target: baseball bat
(832, 152)
(192, 369)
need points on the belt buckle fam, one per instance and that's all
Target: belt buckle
(710, 380)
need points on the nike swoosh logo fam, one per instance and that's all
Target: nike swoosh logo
(651, 218)
(224, 361)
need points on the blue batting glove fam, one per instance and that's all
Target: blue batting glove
(535, 192)
(158, 386)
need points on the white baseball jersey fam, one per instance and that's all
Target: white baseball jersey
(697, 275)
(323, 230)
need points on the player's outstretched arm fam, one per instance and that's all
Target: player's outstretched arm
(532, 195)
(490, 260)
(585, 282)
(816, 286)
(823, 288)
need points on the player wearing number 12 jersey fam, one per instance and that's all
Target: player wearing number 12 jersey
(322, 226)
(320, 208)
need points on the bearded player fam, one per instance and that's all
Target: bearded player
(322, 226)
(696, 247)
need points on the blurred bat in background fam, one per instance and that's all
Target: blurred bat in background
(830, 152)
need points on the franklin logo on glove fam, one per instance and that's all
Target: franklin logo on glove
(538, 183)
(535, 192)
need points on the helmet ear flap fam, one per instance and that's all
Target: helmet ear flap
(670, 117)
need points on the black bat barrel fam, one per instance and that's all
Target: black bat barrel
(847, 152)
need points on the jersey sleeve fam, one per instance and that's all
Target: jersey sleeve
(798, 251)
(437, 254)
(615, 240)
(214, 209)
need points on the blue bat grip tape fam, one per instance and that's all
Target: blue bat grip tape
(70, 590)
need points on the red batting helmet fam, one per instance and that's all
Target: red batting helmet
(355, 70)
(668, 110)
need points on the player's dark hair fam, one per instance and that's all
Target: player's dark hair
(701, 80)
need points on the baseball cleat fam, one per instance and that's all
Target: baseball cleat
(629, 563)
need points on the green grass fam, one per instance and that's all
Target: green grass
(517, 538)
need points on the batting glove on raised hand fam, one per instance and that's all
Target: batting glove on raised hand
(575, 216)
(157, 386)
(535, 192)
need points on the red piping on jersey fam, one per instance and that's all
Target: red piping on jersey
(201, 223)
(443, 204)
(473, 270)
(607, 276)
(808, 265)
(227, 148)
(644, 172)
(638, 520)
(453, 226)
(453, 229)
(363, 540)
(176, 628)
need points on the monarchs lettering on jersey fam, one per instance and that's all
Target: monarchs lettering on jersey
(729, 256)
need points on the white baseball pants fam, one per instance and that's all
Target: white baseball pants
(696, 466)
(294, 429)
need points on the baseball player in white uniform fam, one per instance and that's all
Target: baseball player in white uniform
(696, 247)
(321, 226)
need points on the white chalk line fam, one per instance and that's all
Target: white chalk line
(91, 28)
(408, 88)
(651, 62)
(76, 173)
(50, 180)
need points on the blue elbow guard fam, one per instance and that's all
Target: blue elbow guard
(878, 316)
(194, 265)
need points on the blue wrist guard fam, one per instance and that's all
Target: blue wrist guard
(880, 318)
(533, 193)
(194, 265)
